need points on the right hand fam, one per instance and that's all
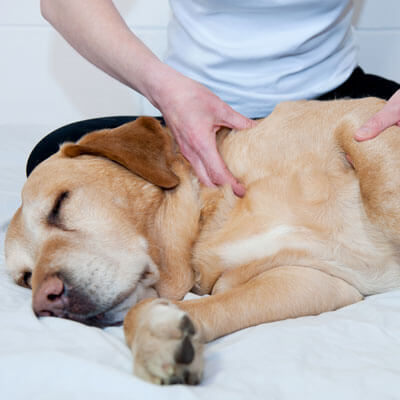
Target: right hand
(194, 114)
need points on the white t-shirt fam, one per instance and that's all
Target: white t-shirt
(256, 53)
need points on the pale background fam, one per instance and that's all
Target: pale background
(352, 353)
(45, 82)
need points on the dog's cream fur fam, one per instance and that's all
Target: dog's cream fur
(318, 228)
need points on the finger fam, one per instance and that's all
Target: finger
(232, 119)
(378, 123)
(217, 170)
(201, 173)
(199, 168)
(388, 116)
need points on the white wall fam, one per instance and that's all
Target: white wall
(43, 81)
(377, 25)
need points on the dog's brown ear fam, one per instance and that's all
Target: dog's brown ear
(141, 146)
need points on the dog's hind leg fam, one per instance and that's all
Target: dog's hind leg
(161, 333)
(377, 165)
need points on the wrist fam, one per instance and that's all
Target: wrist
(159, 81)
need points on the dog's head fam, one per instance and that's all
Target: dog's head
(80, 237)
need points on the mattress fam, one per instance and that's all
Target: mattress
(352, 353)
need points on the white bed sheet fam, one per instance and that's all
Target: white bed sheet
(353, 353)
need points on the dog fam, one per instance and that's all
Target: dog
(117, 228)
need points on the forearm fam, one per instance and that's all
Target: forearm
(97, 31)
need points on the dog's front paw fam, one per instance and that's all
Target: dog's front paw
(166, 348)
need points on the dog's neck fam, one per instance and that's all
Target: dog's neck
(172, 232)
(177, 224)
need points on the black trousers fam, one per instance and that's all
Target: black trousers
(358, 85)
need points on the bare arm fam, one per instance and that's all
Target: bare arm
(97, 31)
(194, 114)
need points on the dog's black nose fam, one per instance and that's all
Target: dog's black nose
(50, 299)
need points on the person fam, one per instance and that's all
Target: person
(228, 61)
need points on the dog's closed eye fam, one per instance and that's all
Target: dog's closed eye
(54, 218)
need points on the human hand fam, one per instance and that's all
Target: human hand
(388, 116)
(194, 114)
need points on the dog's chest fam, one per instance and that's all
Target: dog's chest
(243, 234)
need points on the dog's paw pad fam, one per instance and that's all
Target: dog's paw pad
(187, 326)
(167, 348)
(184, 354)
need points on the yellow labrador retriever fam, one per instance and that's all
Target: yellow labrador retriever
(117, 228)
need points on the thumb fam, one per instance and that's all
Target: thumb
(234, 120)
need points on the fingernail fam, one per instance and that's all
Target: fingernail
(239, 190)
(362, 134)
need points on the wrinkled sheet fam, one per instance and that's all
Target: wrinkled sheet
(352, 353)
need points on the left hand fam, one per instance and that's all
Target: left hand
(388, 116)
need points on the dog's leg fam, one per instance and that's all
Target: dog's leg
(166, 339)
(276, 294)
(377, 164)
